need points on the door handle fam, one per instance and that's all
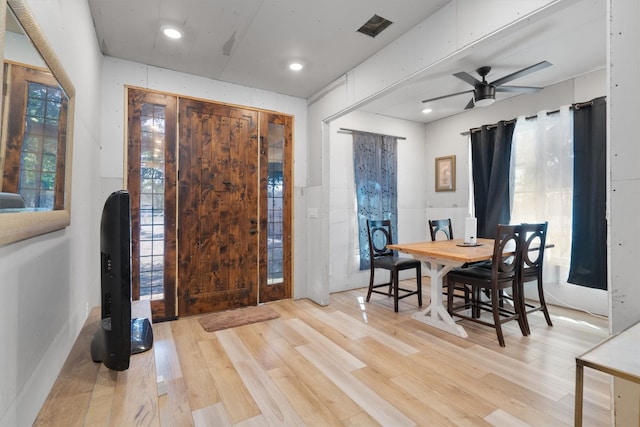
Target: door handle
(253, 231)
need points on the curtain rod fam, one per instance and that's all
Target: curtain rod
(495, 125)
(362, 131)
(576, 106)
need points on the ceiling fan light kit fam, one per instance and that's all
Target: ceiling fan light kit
(484, 93)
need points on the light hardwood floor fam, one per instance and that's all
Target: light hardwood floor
(355, 363)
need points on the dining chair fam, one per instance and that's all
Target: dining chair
(439, 228)
(503, 275)
(533, 242)
(380, 235)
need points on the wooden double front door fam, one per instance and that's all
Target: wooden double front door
(232, 196)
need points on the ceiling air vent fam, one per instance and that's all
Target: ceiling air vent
(374, 26)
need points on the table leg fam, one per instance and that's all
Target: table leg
(579, 394)
(436, 314)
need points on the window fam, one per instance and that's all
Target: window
(152, 224)
(275, 198)
(542, 176)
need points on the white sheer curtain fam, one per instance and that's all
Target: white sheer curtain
(542, 173)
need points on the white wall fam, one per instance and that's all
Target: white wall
(344, 249)
(48, 281)
(119, 73)
(624, 187)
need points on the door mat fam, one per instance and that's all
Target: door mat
(238, 317)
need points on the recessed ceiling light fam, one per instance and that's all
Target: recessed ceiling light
(172, 32)
(296, 66)
(427, 110)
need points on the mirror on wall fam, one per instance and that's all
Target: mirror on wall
(35, 142)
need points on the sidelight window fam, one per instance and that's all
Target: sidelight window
(275, 198)
(152, 184)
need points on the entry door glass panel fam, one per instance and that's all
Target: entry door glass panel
(275, 195)
(152, 184)
(151, 181)
(276, 213)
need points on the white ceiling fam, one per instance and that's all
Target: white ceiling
(251, 42)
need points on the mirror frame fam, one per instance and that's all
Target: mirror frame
(23, 225)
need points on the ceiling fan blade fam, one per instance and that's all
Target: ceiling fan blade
(468, 78)
(525, 71)
(524, 89)
(447, 96)
(470, 104)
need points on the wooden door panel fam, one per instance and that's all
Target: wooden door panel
(217, 200)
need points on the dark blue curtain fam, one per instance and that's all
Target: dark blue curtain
(588, 265)
(491, 161)
(375, 170)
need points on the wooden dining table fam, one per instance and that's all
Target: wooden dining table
(438, 258)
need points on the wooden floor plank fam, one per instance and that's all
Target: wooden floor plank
(444, 406)
(198, 380)
(174, 407)
(327, 348)
(99, 413)
(521, 402)
(327, 392)
(135, 399)
(213, 415)
(306, 403)
(73, 390)
(135, 396)
(231, 389)
(412, 406)
(259, 349)
(503, 418)
(388, 340)
(328, 317)
(378, 408)
(553, 387)
(273, 405)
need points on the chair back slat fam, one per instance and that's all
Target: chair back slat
(380, 235)
(506, 250)
(534, 239)
(440, 226)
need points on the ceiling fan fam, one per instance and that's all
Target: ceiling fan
(484, 93)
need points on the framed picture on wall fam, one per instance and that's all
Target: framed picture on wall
(446, 173)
